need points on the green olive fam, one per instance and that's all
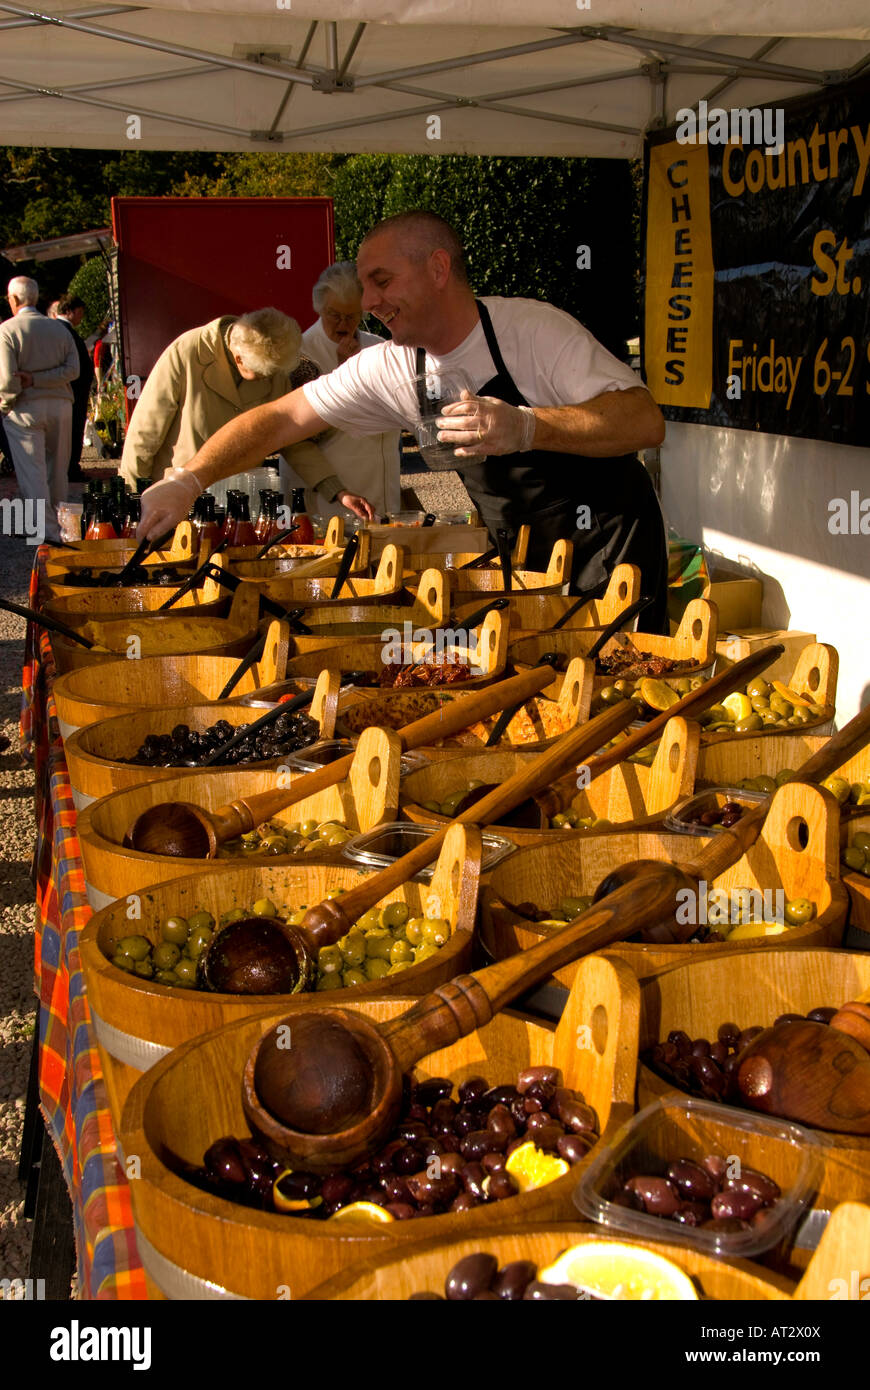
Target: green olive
(610, 695)
(296, 918)
(328, 828)
(376, 968)
(765, 784)
(136, 947)
(264, 907)
(572, 907)
(853, 858)
(186, 971)
(330, 959)
(308, 828)
(353, 948)
(624, 687)
(414, 930)
(165, 977)
(424, 951)
(274, 844)
(197, 943)
(402, 951)
(759, 703)
(783, 776)
(433, 806)
(798, 911)
(124, 962)
(436, 930)
(758, 687)
(560, 822)
(236, 914)
(379, 943)
(399, 966)
(749, 725)
(166, 956)
(394, 915)
(144, 969)
(353, 976)
(176, 930)
(370, 920)
(780, 705)
(336, 837)
(861, 840)
(450, 803)
(198, 921)
(331, 981)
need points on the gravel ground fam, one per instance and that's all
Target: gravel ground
(17, 1002)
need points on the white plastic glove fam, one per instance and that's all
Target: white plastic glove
(360, 506)
(166, 503)
(484, 425)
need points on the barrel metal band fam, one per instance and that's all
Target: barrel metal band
(134, 1052)
(176, 1283)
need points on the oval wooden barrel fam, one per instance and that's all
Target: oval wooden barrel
(162, 634)
(467, 585)
(86, 696)
(180, 550)
(857, 884)
(368, 798)
(194, 1244)
(728, 761)
(75, 606)
(694, 644)
(628, 796)
(483, 649)
(357, 589)
(95, 756)
(753, 989)
(815, 675)
(424, 1266)
(137, 1022)
(572, 866)
(531, 614)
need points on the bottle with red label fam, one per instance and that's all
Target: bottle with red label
(205, 519)
(132, 516)
(238, 528)
(304, 533)
(101, 527)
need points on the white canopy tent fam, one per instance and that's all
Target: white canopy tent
(587, 78)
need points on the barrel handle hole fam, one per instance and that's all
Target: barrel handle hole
(674, 757)
(697, 628)
(623, 590)
(814, 679)
(375, 771)
(599, 1028)
(797, 833)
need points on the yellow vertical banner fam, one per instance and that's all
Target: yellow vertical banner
(678, 329)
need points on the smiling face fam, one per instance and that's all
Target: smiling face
(402, 292)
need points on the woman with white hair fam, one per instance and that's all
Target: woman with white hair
(370, 463)
(211, 375)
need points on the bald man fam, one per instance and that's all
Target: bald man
(549, 435)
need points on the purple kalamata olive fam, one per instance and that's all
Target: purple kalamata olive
(725, 1225)
(482, 1141)
(715, 1165)
(433, 1089)
(574, 1114)
(681, 1041)
(747, 1036)
(691, 1214)
(452, 1163)
(471, 1275)
(501, 1121)
(550, 1293)
(501, 1095)
(701, 1047)
(692, 1181)
(499, 1186)
(659, 1196)
(513, 1279)
(402, 1211)
(472, 1091)
(464, 1202)
(741, 1204)
(472, 1177)
(528, 1077)
(626, 1198)
(750, 1180)
(824, 1014)
(493, 1162)
(223, 1160)
(573, 1147)
(728, 1034)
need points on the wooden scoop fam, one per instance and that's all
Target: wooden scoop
(332, 919)
(180, 829)
(333, 1094)
(813, 1073)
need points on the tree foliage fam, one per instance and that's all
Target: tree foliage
(91, 284)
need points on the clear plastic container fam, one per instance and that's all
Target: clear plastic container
(382, 846)
(454, 518)
(331, 750)
(405, 518)
(680, 819)
(683, 1127)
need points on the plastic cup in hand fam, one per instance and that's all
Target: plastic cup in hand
(434, 390)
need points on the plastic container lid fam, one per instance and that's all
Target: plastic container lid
(679, 818)
(683, 1127)
(386, 843)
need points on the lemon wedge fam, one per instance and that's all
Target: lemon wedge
(530, 1167)
(657, 694)
(738, 706)
(363, 1211)
(747, 931)
(794, 699)
(614, 1269)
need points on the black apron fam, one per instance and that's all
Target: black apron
(546, 490)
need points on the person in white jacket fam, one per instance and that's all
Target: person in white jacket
(38, 360)
(369, 465)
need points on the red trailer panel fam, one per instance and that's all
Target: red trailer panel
(185, 261)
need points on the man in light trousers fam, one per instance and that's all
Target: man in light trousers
(38, 360)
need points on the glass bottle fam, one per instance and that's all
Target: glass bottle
(101, 527)
(304, 533)
(132, 516)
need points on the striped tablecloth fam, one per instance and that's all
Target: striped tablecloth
(72, 1094)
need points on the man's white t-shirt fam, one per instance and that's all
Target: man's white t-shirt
(552, 358)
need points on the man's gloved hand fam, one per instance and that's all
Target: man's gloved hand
(166, 503)
(481, 426)
(360, 506)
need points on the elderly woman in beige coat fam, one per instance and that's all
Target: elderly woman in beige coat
(210, 375)
(369, 464)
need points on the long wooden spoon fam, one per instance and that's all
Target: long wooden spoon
(179, 828)
(50, 624)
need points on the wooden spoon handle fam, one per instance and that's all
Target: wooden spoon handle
(246, 813)
(468, 1002)
(327, 921)
(693, 703)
